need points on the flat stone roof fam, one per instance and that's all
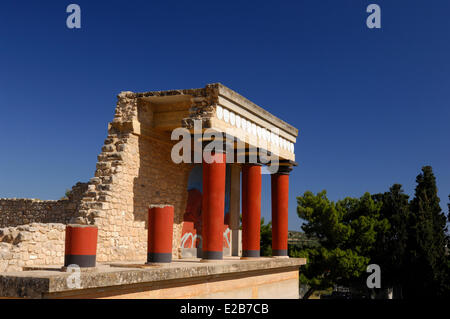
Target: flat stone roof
(227, 93)
(49, 280)
(255, 109)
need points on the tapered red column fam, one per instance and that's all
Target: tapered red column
(235, 209)
(280, 202)
(160, 233)
(81, 245)
(251, 210)
(213, 206)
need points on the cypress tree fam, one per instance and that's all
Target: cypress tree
(391, 245)
(427, 263)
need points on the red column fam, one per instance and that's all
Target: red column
(280, 201)
(160, 233)
(80, 245)
(213, 206)
(251, 210)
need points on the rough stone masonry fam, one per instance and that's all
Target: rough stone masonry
(134, 170)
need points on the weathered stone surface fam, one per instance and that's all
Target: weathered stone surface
(32, 244)
(38, 283)
(15, 212)
(134, 170)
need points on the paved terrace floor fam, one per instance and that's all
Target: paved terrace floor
(51, 281)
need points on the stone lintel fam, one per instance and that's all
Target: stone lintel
(255, 109)
(179, 108)
(212, 94)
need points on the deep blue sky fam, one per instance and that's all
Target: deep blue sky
(372, 106)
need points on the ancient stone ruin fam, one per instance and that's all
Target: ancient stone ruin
(135, 170)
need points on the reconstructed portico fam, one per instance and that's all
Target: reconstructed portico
(237, 132)
(246, 139)
(232, 142)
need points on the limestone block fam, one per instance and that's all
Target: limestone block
(3, 265)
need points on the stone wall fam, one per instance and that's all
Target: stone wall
(134, 170)
(31, 245)
(15, 212)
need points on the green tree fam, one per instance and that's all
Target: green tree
(347, 231)
(427, 261)
(266, 238)
(390, 247)
(448, 217)
(446, 293)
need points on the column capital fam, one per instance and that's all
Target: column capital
(251, 155)
(284, 166)
(226, 143)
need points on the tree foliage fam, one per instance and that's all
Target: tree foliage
(391, 246)
(407, 239)
(347, 231)
(266, 238)
(427, 262)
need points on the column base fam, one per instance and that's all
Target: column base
(159, 258)
(251, 254)
(82, 261)
(212, 255)
(280, 257)
(280, 253)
